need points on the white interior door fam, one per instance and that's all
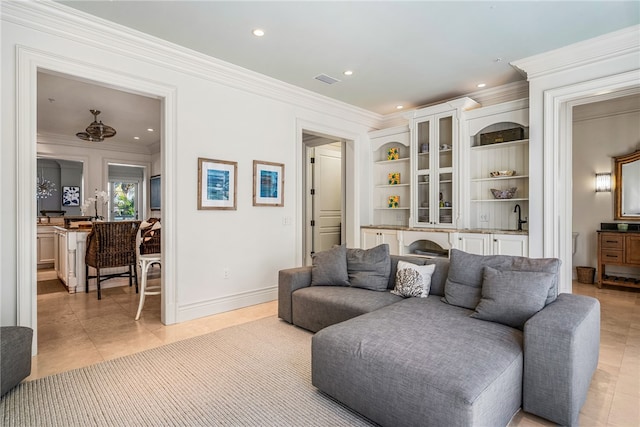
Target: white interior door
(327, 197)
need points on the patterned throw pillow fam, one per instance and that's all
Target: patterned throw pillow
(413, 280)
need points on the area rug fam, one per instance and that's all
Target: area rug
(50, 286)
(255, 374)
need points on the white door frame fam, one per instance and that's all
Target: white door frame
(29, 61)
(351, 162)
(558, 166)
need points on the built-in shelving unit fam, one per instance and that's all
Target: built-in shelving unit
(394, 139)
(498, 141)
(493, 212)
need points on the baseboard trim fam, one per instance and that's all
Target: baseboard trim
(228, 303)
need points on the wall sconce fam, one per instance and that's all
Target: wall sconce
(603, 182)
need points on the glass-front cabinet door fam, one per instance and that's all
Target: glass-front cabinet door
(433, 149)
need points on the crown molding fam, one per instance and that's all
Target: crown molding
(63, 21)
(616, 44)
(65, 140)
(501, 94)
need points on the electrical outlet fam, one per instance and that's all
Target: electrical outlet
(225, 273)
(484, 217)
(286, 220)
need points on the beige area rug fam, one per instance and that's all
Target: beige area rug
(256, 374)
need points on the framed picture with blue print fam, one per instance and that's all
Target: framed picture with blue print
(268, 183)
(217, 185)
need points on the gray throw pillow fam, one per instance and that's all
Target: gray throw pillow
(329, 268)
(413, 280)
(369, 268)
(512, 297)
(464, 283)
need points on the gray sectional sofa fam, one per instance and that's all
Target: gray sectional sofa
(491, 337)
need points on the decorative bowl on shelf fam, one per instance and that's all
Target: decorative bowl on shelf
(504, 194)
(496, 174)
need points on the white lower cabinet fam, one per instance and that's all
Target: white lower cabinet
(371, 237)
(46, 246)
(510, 244)
(70, 248)
(474, 243)
(493, 244)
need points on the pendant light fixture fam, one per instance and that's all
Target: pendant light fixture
(96, 131)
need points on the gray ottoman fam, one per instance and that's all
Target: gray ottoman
(15, 356)
(421, 362)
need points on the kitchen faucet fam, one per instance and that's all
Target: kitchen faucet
(520, 220)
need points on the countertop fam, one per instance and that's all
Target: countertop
(447, 230)
(612, 227)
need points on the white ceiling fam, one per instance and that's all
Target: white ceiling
(64, 104)
(402, 53)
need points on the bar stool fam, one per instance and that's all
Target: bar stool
(147, 261)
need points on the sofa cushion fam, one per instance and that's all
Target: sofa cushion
(413, 280)
(512, 297)
(315, 308)
(450, 370)
(464, 283)
(369, 268)
(329, 268)
(439, 277)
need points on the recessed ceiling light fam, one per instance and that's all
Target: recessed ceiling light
(481, 85)
(258, 32)
(399, 107)
(348, 73)
(136, 137)
(150, 130)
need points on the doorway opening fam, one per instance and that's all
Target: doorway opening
(324, 193)
(32, 143)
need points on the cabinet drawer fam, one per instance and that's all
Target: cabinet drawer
(612, 241)
(611, 256)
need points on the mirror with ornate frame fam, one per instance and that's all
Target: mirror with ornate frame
(627, 186)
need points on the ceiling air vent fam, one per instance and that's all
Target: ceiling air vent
(326, 79)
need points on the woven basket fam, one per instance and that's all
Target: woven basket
(586, 274)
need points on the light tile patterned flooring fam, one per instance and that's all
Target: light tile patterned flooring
(77, 330)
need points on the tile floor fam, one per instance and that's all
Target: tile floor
(77, 330)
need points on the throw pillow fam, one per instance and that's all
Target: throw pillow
(512, 297)
(394, 266)
(369, 268)
(413, 280)
(329, 268)
(541, 265)
(463, 285)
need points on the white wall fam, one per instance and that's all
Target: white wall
(222, 112)
(558, 79)
(598, 135)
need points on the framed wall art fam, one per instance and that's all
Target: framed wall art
(71, 196)
(268, 183)
(217, 184)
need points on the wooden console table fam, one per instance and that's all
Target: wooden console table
(618, 248)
